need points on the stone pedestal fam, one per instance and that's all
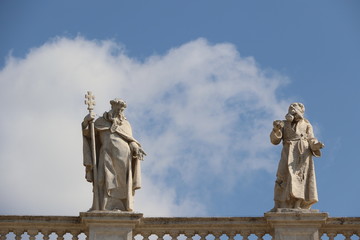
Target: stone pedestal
(296, 225)
(103, 225)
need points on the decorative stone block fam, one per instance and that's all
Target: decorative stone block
(296, 225)
(112, 225)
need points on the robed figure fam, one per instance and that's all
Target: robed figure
(295, 185)
(118, 156)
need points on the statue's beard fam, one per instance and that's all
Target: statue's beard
(116, 118)
(293, 116)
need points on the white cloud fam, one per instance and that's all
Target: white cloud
(200, 110)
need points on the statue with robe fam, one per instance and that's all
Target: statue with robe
(115, 173)
(295, 185)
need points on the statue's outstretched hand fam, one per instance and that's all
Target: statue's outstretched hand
(319, 145)
(315, 144)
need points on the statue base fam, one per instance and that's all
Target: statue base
(110, 225)
(296, 224)
(298, 210)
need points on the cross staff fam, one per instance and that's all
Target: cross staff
(90, 101)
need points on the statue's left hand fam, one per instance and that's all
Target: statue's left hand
(135, 148)
(316, 145)
(137, 151)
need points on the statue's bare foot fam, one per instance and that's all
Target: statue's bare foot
(298, 204)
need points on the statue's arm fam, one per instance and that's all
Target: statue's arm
(135, 146)
(277, 132)
(309, 130)
(315, 145)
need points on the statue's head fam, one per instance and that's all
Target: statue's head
(117, 105)
(296, 112)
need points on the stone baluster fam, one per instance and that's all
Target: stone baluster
(18, 233)
(203, 235)
(32, 233)
(231, 235)
(160, 235)
(75, 234)
(260, 235)
(46, 234)
(331, 235)
(347, 235)
(3, 234)
(174, 235)
(217, 235)
(245, 234)
(60, 234)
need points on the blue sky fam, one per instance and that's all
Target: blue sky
(203, 80)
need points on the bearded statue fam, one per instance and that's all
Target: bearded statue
(115, 173)
(295, 185)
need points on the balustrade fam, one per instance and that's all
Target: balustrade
(202, 228)
(227, 228)
(41, 227)
(341, 228)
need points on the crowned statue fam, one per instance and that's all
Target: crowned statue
(112, 157)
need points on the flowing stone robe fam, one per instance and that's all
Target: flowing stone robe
(118, 172)
(296, 172)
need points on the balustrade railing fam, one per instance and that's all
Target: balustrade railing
(215, 228)
(41, 227)
(231, 228)
(341, 228)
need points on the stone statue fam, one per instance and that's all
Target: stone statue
(111, 157)
(295, 185)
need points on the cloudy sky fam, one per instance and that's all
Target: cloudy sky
(203, 80)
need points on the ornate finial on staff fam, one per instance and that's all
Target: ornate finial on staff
(90, 101)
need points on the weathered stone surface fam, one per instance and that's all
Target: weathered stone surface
(109, 225)
(296, 210)
(296, 225)
(295, 185)
(111, 157)
(290, 222)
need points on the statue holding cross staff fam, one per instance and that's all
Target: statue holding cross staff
(111, 157)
